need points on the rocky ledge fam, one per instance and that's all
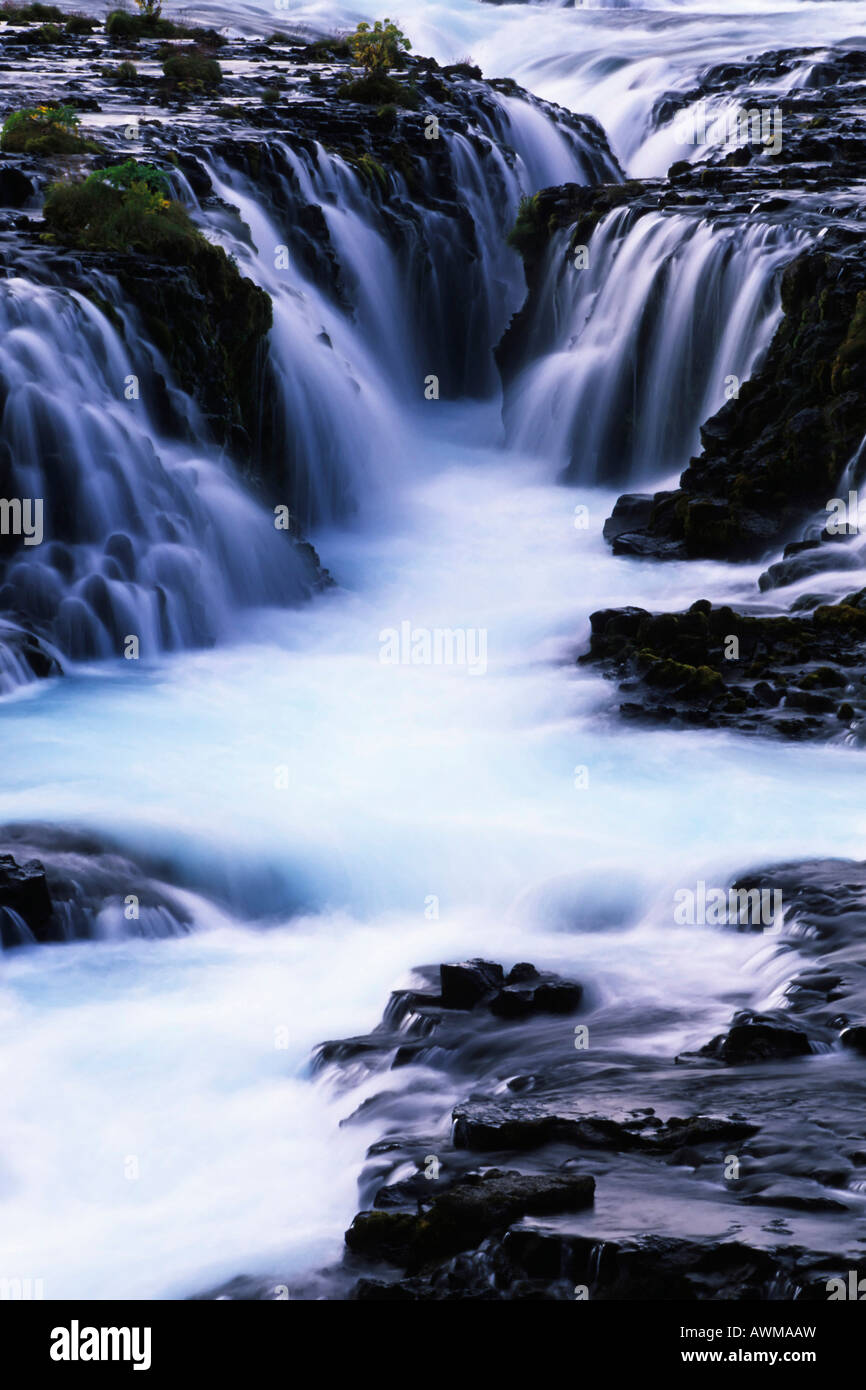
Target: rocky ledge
(541, 1156)
(797, 676)
(773, 455)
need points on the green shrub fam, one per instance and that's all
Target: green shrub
(270, 96)
(45, 129)
(193, 70)
(124, 176)
(29, 14)
(118, 208)
(122, 25)
(378, 48)
(126, 72)
(379, 89)
(45, 34)
(81, 24)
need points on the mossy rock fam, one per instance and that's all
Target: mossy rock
(379, 89)
(193, 70)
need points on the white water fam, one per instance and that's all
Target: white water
(631, 353)
(403, 782)
(607, 58)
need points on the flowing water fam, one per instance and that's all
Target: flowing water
(329, 818)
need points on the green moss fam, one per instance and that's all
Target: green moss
(530, 229)
(852, 351)
(370, 170)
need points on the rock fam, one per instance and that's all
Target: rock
(631, 511)
(16, 188)
(854, 1038)
(684, 666)
(755, 1037)
(24, 891)
(468, 983)
(465, 1215)
(486, 1127)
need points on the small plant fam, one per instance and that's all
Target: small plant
(192, 70)
(44, 130)
(120, 24)
(270, 96)
(125, 176)
(47, 33)
(81, 24)
(149, 9)
(126, 72)
(378, 47)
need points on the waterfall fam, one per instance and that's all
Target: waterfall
(631, 350)
(406, 283)
(142, 536)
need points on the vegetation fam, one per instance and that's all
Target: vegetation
(122, 207)
(378, 47)
(45, 130)
(529, 228)
(81, 24)
(29, 14)
(149, 23)
(193, 70)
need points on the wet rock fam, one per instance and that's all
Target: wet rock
(755, 1037)
(469, 983)
(465, 1215)
(486, 1127)
(716, 667)
(24, 893)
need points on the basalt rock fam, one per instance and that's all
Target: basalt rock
(797, 676)
(465, 1215)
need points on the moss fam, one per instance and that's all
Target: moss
(530, 229)
(852, 352)
(370, 170)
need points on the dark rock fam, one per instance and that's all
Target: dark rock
(24, 891)
(465, 1215)
(757, 1038)
(468, 983)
